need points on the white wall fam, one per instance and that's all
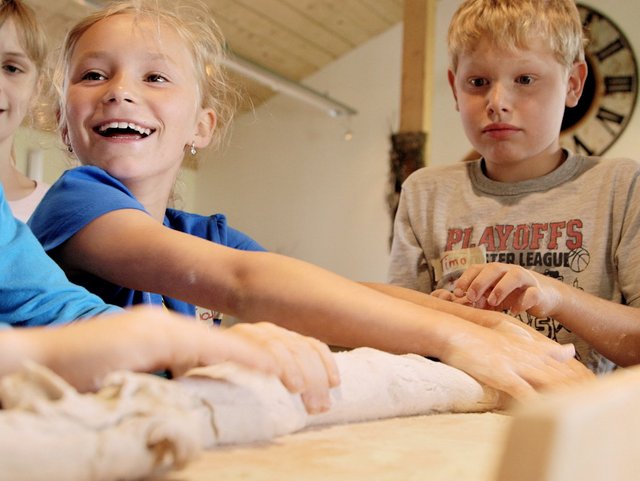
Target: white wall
(54, 158)
(291, 181)
(447, 140)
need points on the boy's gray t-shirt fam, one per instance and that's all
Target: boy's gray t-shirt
(579, 224)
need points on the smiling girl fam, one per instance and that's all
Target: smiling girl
(141, 86)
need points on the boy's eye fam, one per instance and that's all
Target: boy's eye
(525, 79)
(93, 76)
(477, 82)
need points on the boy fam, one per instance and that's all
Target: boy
(547, 232)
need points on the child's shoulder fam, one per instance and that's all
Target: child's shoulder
(612, 166)
(440, 173)
(614, 173)
(191, 222)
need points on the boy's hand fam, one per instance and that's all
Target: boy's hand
(445, 295)
(507, 286)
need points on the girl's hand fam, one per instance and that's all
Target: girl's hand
(305, 365)
(148, 339)
(511, 359)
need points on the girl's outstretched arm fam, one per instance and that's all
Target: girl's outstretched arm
(129, 248)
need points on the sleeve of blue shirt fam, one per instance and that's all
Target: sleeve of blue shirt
(78, 197)
(86, 193)
(33, 289)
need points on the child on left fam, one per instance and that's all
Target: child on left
(23, 53)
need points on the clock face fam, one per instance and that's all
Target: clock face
(610, 90)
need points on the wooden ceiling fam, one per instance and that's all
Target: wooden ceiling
(292, 38)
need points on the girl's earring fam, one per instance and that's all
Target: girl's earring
(193, 148)
(67, 142)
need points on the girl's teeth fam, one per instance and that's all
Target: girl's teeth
(124, 125)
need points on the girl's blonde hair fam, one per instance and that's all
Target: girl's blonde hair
(33, 40)
(514, 23)
(30, 35)
(195, 25)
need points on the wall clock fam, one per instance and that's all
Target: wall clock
(610, 90)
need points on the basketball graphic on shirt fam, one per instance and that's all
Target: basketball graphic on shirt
(579, 259)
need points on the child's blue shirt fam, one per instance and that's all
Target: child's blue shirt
(83, 194)
(33, 289)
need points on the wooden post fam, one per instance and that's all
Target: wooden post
(417, 65)
(408, 146)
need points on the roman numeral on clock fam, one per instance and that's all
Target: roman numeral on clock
(580, 147)
(623, 83)
(610, 49)
(608, 117)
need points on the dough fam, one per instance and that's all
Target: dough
(250, 407)
(138, 424)
(135, 426)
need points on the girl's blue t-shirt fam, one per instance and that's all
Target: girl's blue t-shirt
(86, 193)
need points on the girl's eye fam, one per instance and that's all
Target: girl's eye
(156, 77)
(93, 76)
(11, 68)
(525, 79)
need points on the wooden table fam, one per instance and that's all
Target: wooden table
(445, 447)
(585, 433)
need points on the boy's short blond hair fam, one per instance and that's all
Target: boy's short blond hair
(513, 23)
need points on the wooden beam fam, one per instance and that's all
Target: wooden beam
(417, 65)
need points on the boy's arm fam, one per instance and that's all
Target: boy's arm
(129, 248)
(492, 319)
(612, 329)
